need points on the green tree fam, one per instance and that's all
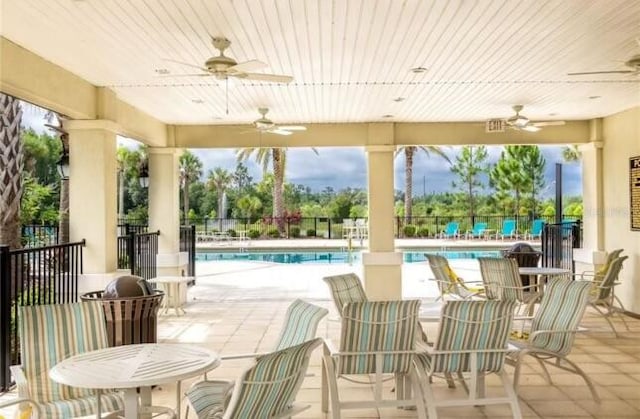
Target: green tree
(533, 162)
(241, 179)
(127, 165)
(219, 179)
(509, 176)
(409, 153)
(469, 165)
(249, 205)
(571, 153)
(190, 170)
(11, 156)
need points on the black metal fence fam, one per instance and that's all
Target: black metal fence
(137, 252)
(558, 242)
(188, 244)
(38, 235)
(33, 276)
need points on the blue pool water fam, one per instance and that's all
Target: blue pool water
(327, 256)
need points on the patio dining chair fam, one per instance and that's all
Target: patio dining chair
(300, 325)
(449, 283)
(472, 342)
(48, 334)
(508, 230)
(378, 338)
(265, 390)
(477, 231)
(598, 275)
(602, 293)
(451, 231)
(501, 280)
(550, 336)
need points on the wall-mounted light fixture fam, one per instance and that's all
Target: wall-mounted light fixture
(143, 173)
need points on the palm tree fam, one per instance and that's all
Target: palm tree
(219, 179)
(11, 156)
(249, 205)
(127, 163)
(409, 153)
(63, 205)
(190, 170)
(277, 157)
(571, 153)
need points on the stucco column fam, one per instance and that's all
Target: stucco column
(164, 208)
(93, 192)
(381, 263)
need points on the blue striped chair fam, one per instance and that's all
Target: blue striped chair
(378, 338)
(49, 334)
(266, 390)
(550, 337)
(345, 288)
(300, 325)
(472, 341)
(502, 281)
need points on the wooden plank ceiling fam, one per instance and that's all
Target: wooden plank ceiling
(349, 59)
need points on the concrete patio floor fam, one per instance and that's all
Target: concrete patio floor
(238, 307)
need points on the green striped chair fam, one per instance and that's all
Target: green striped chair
(502, 281)
(471, 341)
(602, 297)
(49, 334)
(300, 325)
(267, 389)
(345, 288)
(449, 284)
(552, 332)
(377, 338)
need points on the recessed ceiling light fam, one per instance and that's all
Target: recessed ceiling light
(418, 70)
(387, 116)
(399, 99)
(553, 114)
(595, 97)
(197, 101)
(216, 117)
(162, 71)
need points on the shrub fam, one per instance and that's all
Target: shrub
(294, 232)
(253, 233)
(423, 232)
(273, 233)
(311, 232)
(409, 230)
(232, 233)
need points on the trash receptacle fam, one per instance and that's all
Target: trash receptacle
(129, 319)
(526, 257)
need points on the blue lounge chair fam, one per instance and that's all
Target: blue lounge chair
(477, 232)
(451, 231)
(536, 230)
(508, 230)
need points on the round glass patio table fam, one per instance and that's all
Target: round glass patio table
(131, 366)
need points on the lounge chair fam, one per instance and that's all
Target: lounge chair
(449, 284)
(477, 232)
(451, 231)
(550, 337)
(300, 325)
(536, 230)
(472, 341)
(508, 230)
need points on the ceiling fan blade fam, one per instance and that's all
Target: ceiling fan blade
(292, 127)
(279, 131)
(187, 64)
(187, 75)
(246, 66)
(530, 128)
(275, 78)
(601, 72)
(547, 123)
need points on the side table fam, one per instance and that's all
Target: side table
(175, 289)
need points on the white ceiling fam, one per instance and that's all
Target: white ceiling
(350, 59)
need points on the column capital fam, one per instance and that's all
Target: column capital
(91, 124)
(380, 148)
(593, 145)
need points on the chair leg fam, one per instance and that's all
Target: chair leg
(545, 371)
(584, 376)
(606, 317)
(418, 397)
(430, 400)
(511, 393)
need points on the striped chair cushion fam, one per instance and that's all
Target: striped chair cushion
(561, 308)
(301, 323)
(209, 398)
(84, 406)
(378, 327)
(51, 333)
(268, 388)
(468, 326)
(498, 273)
(345, 288)
(602, 286)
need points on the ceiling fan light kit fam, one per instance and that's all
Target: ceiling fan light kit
(264, 124)
(518, 122)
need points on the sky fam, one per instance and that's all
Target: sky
(339, 167)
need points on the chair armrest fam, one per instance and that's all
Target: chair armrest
(23, 400)
(21, 381)
(329, 347)
(242, 356)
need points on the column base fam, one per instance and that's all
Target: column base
(382, 275)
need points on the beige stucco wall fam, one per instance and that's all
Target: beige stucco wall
(621, 141)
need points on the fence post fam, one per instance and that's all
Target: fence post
(288, 228)
(5, 317)
(192, 251)
(132, 251)
(315, 225)
(329, 226)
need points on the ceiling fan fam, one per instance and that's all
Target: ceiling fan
(522, 123)
(223, 67)
(633, 63)
(263, 124)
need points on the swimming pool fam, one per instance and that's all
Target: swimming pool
(332, 256)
